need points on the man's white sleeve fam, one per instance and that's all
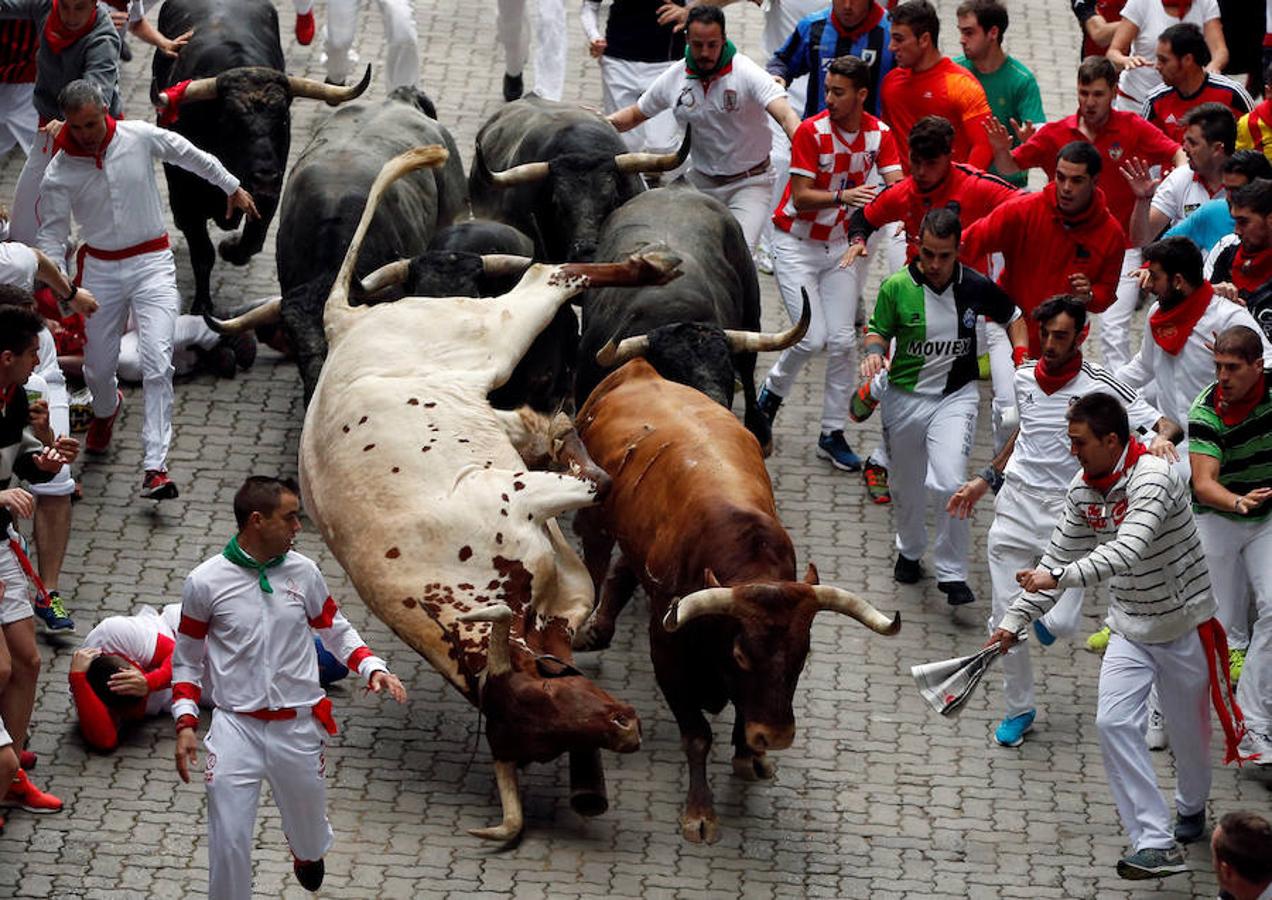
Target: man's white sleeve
(18, 265)
(187, 657)
(658, 96)
(175, 149)
(337, 635)
(53, 214)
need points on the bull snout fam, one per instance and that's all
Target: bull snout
(625, 733)
(762, 738)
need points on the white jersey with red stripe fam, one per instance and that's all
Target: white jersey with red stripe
(835, 160)
(259, 646)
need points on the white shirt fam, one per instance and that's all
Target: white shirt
(781, 18)
(117, 204)
(1152, 20)
(1179, 379)
(259, 646)
(729, 117)
(1041, 459)
(18, 265)
(135, 638)
(1182, 193)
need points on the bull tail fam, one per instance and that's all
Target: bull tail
(338, 308)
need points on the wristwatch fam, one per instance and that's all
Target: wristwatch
(1056, 572)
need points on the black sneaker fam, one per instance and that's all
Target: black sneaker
(309, 874)
(768, 403)
(513, 87)
(1190, 829)
(957, 593)
(1152, 863)
(907, 571)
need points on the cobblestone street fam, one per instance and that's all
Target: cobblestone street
(878, 797)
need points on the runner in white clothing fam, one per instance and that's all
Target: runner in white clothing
(402, 53)
(1030, 478)
(249, 613)
(728, 99)
(104, 174)
(512, 26)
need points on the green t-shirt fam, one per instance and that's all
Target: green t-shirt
(1244, 450)
(1013, 94)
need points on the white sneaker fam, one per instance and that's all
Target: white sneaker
(1156, 736)
(764, 260)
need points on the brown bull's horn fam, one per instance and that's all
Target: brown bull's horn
(635, 163)
(613, 355)
(498, 660)
(761, 341)
(386, 276)
(267, 313)
(510, 799)
(498, 265)
(841, 601)
(709, 601)
(526, 173)
(334, 94)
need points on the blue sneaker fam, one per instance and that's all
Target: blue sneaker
(1043, 633)
(1011, 731)
(53, 613)
(1152, 863)
(833, 447)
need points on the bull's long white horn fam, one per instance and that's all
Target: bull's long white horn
(334, 94)
(510, 800)
(526, 173)
(387, 275)
(497, 265)
(613, 355)
(763, 341)
(838, 600)
(266, 313)
(498, 660)
(635, 163)
(709, 601)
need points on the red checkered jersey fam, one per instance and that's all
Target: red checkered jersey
(835, 160)
(1166, 107)
(18, 44)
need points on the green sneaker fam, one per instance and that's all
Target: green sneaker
(1099, 642)
(862, 404)
(982, 367)
(1236, 662)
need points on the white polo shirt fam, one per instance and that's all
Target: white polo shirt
(728, 113)
(1182, 193)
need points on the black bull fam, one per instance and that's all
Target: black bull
(237, 107)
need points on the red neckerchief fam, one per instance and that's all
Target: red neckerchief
(873, 18)
(68, 144)
(1104, 484)
(1235, 413)
(56, 34)
(1049, 381)
(1249, 273)
(1170, 327)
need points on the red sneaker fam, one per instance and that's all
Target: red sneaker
(305, 28)
(27, 760)
(97, 441)
(24, 795)
(158, 486)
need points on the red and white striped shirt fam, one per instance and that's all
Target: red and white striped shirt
(835, 160)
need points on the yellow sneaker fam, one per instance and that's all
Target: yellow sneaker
(1099, 642)
(1236, 662)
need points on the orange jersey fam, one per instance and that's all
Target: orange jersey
(947, 90)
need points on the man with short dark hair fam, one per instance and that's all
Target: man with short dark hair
(1241, 852)
(1229, 443)
(924, 82)
(1182, 57)
(1009, 86)
(249, 613)
(1127, 519)
(1207, 225)
(930, 309)
(1242, 269)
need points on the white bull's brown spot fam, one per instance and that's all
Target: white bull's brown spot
(465, 552)
(392, 553)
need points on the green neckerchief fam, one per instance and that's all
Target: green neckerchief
(234, 553)
(726, 58)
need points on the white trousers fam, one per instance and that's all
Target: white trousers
(241, 753)
(1115, 322)
(62, 484)
(1129, 671)
(402, 59)
(19, 121)
(622, 83)
(190, 332)
(929, 440)
(1254, 690)
(1023, 522)
(1239, 556)
(146, 286)
(832, 294)
(746, 198)
(23, 218)
(512, 26)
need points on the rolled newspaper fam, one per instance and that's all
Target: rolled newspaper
(947, 684)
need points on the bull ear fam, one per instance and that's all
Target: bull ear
(709, 578)
(810, 575)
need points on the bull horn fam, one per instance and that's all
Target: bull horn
(635, 163)
(334, 94)
(393, 273)
(838, 600)
(267, 313)
(196, 90)
(498, 661)
(499, 265)
(510, 800)
(761, 341)
(706, 602)
(613, 355)
(526, 173)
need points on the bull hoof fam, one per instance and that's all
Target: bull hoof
(230, 252)
(700, 829)
(589, 804)
(593, 636)
(754, 768)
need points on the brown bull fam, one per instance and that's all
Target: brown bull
(691, 507)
